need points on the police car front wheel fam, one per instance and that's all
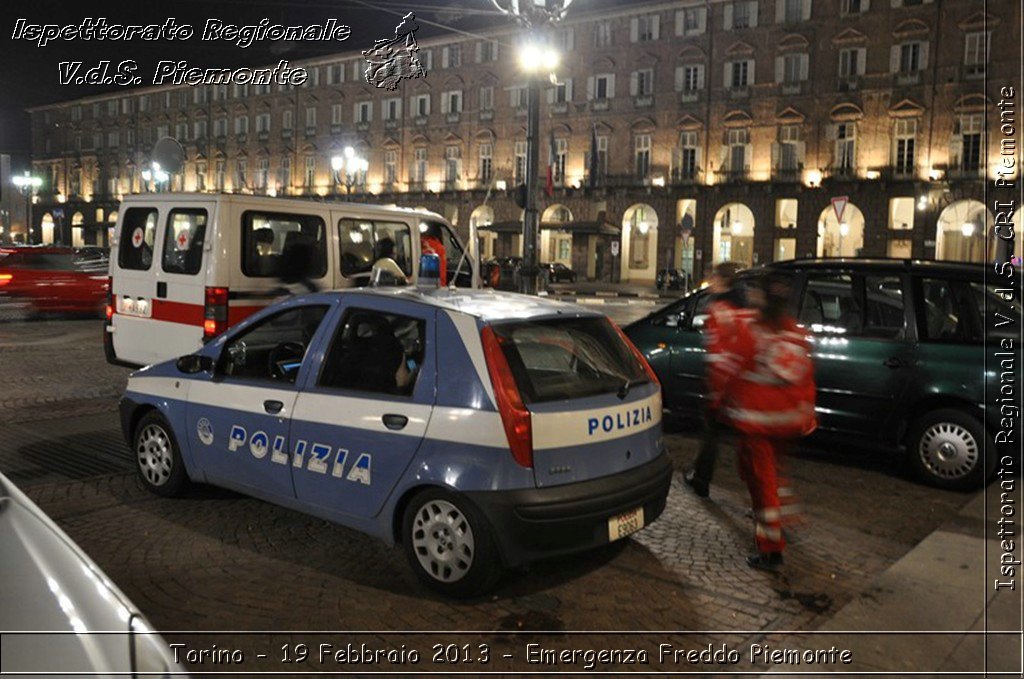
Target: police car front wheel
(157, 456)
(449, 545)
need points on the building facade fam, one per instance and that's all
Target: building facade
(723, 131)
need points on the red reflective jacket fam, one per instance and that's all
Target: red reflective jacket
(771, 390)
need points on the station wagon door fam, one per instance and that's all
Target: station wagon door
(863, 348)
(360, 419)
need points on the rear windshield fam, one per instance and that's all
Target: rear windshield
(138, 233)
(562, 359)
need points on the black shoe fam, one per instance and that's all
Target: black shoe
(765, 561)
(699, 487)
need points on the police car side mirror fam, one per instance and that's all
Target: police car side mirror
(698, 321)
(672, 320)
(194, 363)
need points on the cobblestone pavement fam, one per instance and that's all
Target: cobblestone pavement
(219, 562)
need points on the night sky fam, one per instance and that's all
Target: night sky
(30, 72)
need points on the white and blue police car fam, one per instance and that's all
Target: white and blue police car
(479, 430)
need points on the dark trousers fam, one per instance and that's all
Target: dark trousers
(704, 465)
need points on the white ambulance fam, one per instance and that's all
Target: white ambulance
(186, 266)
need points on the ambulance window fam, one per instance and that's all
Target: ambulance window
(138, 233)
(266, 236)
(453, 255)
(362, 244)
(272, 349)
(376, 352)
(183, 241)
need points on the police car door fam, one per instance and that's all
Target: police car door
(358, 423)
(238, 420)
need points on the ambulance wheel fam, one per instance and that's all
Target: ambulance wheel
(947, 450)
(449, 544)
(157, 456)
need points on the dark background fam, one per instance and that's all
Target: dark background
(30, 72)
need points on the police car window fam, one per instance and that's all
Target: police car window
(135, 244)
(567, 358)
(272, 349)
(363, 241)
(375, 352)
(268, 237)
(183, 241)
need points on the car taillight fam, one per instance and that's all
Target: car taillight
(110, 297)
(215, 314)
(514, 415)
(651, 375)
(5, 278)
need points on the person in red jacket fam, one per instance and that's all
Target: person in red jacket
(431, 243)
(726, 308)
(768, 397)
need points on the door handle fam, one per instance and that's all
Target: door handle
(395, 422)
(892, 362)
(273, 407)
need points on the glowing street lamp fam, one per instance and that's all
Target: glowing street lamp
(27, 184)
(352, 165)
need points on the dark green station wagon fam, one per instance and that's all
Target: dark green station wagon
(899, 352)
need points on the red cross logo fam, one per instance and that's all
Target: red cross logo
(137, 238)
(182, 240)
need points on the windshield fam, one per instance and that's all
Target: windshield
(568, 358)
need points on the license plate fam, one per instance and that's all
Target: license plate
(622, 525)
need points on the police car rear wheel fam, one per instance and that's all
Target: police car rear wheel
(448, 544)
(157, 456)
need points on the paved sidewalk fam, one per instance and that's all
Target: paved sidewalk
(941, 599)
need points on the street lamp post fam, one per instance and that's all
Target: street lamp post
(27, 184)
(351, 164)
(538, 61)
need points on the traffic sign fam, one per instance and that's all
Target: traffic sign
(839, 204)
(615, 248)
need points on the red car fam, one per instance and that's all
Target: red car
(54, 279)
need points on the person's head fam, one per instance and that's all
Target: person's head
(298, 260)
(385, 247)
(432, 230)
(723, 277)
(770, 294)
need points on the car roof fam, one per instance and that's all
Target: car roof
(878, 263)
(486, 305)
(281, 203)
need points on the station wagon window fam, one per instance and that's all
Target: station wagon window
(560, 359)
(266, 236)
(885, 315)
(274, 347)
(361, 241)
(375, 352)
(1002, 317)
(183, 241)
(138, 233)
(830, 306)
(947, 315)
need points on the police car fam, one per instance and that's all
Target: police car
(477, 429)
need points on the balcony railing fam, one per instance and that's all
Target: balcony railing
(643, 101)
(601, 105)
(739, 92)
(966, 172)
(487, 114)
(786, 175)
(848, 84)
(841, 173)
(560, 107)
(689, 96)
(729, 175)
(687, 175)
(908, 78)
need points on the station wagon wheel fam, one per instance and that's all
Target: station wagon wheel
(449, 545)
(157, 456)
(946, 449)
